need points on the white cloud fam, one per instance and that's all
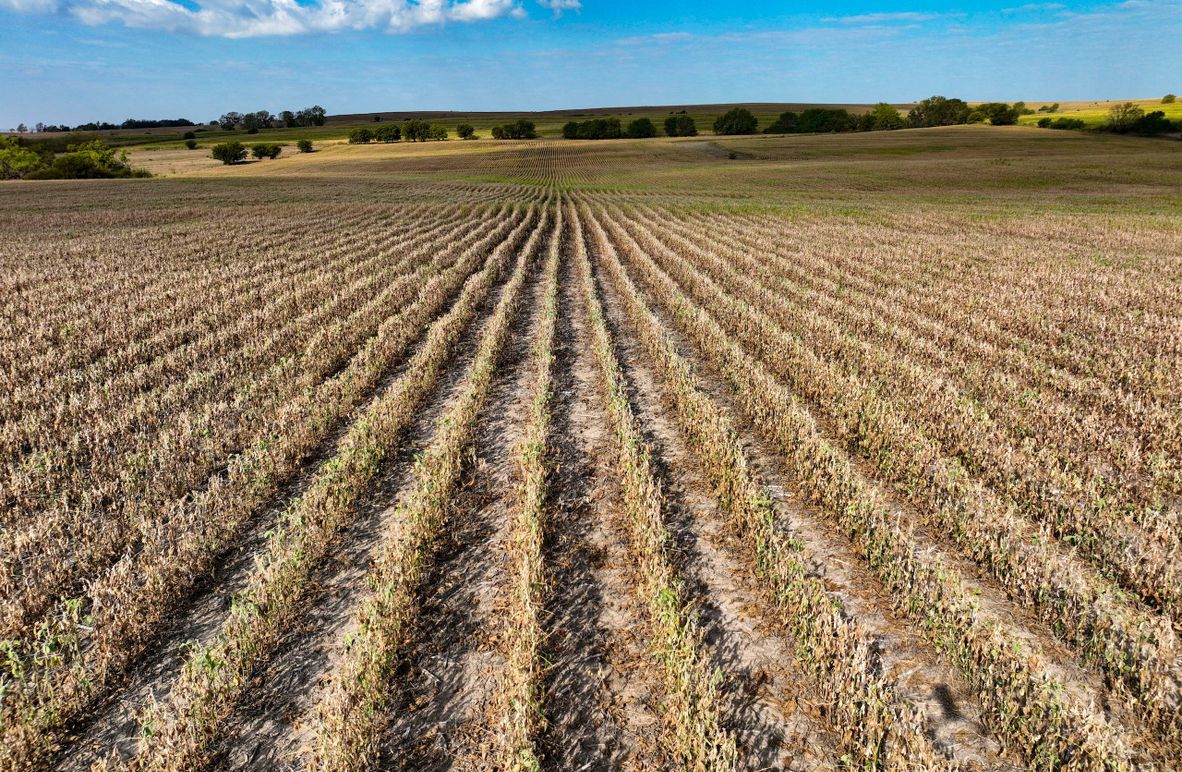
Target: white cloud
(1035, 8)
(255, 18)
(900, 17)
(558, 6)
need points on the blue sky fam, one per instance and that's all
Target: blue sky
(79, 60)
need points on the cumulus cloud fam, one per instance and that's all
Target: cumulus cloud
(255, 18)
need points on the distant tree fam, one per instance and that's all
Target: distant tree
(820, 120)
(304, 145)
(681, 125)
(230, 121)
(785, 124)
(415, 131)
(21, 128)
(228, 152)
(1045, 123)
(360, 136)
(938, 111)
(316, 115)
(641, 128)
(437, 132)
(466, 131)
(596, 128)
(999, 113)
(738, 120)
(1022, 109)
(1122, 117)
(521, 129)
(1169, 99)
(1049, 108)
(377, 119)
(191, 144)
(388, 133)
(189, 135)
(288, 118)
(39, 127)
(884, 117)
(976, 116)
(1067, 123)
(1152, 124)
(251, 123)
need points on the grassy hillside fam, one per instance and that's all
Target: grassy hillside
(1096, 113)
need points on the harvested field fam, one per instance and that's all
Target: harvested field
(797, 452)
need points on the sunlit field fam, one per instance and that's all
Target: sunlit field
(858, 450)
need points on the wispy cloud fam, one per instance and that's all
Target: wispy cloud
(898, 17)
(255, 18)
(558, 6)
(1035, 8)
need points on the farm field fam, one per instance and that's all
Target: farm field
(806, 452)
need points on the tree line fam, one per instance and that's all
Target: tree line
(86, 160)
(252, 123)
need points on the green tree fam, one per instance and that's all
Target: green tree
(999, 113)
(466, 131)
(191, 144)
(228, 152)
(230, 121)
(304, 145)
(738, 120)
(641, 128)
(387, 133)
(570, 130)
(16, 160)
(680, 126)
(938, 111)
(360, 136)
(884, 117)
(1169, 99)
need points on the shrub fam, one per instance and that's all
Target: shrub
(1044, 123)
(189, 135)
(466, 131)
(681, 125)
(387, 133)
(570, 130)
(1152, 124)
(89, 160)
(738, 120)
(938, 111)
(641, 128)
(360, 136)
(304, 145)
(498, 132)
(437, 132)
(191, 144)
(265, 150)
(1067, 123)
(1049, 108)
(1169, 99)
(228, 152)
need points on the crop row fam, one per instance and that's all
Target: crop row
(216, 674)
(1025, 707)
(128, 603)
(1132, 645)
